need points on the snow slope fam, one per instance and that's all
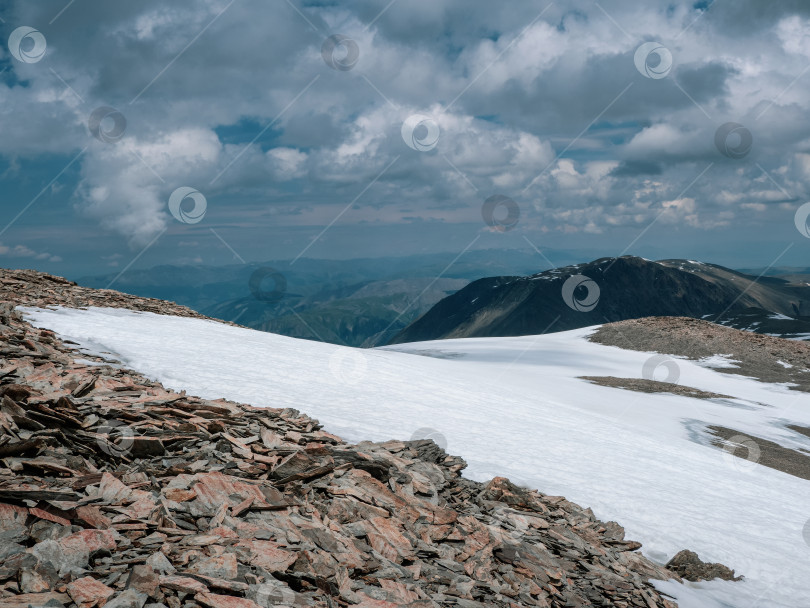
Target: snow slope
(515, 407)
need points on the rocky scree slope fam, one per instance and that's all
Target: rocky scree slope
(115, 491)
(766, 358)
(33, 288)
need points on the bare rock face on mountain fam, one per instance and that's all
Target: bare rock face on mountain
(615, 289)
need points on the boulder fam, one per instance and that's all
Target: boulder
(688, 565)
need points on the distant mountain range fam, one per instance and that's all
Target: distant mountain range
(359, 302)
(372, 302)
(362, 314)
(616, 289)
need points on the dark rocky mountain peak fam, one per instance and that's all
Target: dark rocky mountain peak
(615, 289)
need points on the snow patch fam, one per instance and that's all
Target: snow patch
(516, 407)
(718, 362)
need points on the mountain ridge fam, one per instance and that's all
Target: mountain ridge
(610, 290)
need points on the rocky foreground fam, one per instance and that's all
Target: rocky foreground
(117, 492)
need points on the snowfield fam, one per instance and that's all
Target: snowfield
(515, 407)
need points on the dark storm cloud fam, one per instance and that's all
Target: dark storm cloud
(636, 168)
(707, 82)
(749, 17)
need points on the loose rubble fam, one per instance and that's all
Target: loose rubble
(692, 568)
(32, 288)
(116, 492)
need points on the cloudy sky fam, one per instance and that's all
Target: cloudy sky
(194, 132)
